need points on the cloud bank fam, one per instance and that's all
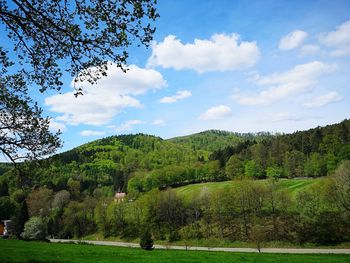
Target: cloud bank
(323, 100)
(300, 79)
(338, 39)
(292, 40)
(219, 53)
(101, 102)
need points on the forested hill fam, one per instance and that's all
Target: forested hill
(110, 162)
(139, 163)
(212, 140)
(312, 153)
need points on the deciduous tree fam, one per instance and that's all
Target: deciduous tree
(52, 37)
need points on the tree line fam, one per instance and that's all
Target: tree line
(313, 153)
(252, 211)
(71, 194)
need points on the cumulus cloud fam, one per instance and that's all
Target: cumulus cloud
(323, 100)
(338, 39)
(92, 133)
(216, 113)
(101, 102)
(220, 53)
(180, 95)
(298, 80)
(292, 40)
(127, 126)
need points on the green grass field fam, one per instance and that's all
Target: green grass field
(37, 252)
(291, 185)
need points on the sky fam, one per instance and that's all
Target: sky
(241, 66)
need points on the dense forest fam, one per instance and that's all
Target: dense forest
(313, 153)
(72, 194)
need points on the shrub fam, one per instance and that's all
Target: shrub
(146, 241)
(34, 229)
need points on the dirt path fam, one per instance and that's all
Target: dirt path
(250, 250)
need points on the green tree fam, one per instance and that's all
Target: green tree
(259, 153)
(167, 212)
(78, 218)
(24, 133)
(294, 163)
(234, 167)
(7, 207)
(252, 170)
(39, 202)
(86, 36)
(116, 218)
(330, 144)
(4, 189)
(315, 166)
(341, 179)
(34, 229)
(331, 162)
(274, 172)
(344, 152)
(258, 234)
(19, 218)
(74, 187)
(60, 199)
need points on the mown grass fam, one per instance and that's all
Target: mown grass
(291, 185)
(217, 242)
(14, 251)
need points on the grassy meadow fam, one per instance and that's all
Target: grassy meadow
(291, 185)
(20, 251)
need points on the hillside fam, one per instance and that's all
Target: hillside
(312, 153)
(179, 190)
(212, 140)
(138, 163)
(110, 162)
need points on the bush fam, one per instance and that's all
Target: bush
(34, 229)
(146, 241)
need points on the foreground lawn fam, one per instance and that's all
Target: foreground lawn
(37, 252)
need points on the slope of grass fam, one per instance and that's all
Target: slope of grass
(291, 185)
(14, 251)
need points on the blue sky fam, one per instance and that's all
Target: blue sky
(242, 66)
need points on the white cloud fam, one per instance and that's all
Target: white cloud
(220, 53)
(101, 102)
(217, 112)
(127, 126)
(180, 95)
(309, 50)
(159, 122)
(323, 100)
(91, 133)
(338, 39)
(292, 40)
(57, 126)
(300, 79)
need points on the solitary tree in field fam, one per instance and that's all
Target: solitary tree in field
(48, 38)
